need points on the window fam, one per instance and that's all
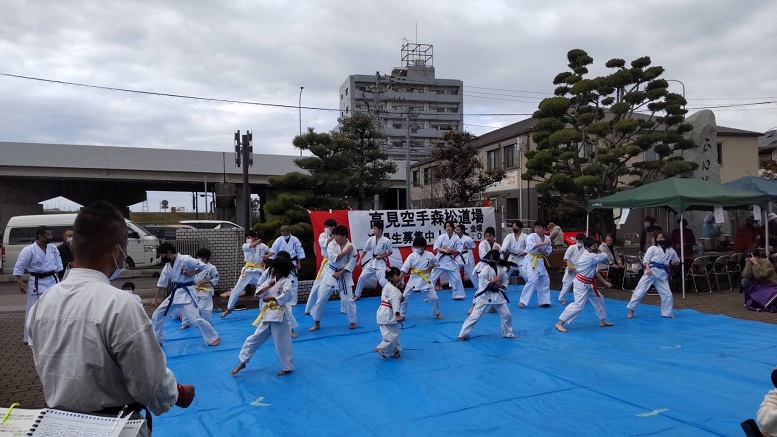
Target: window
(397, 125)
(492, 159)
(720, 153)
(427, 175)
(509, 156)
(341, 97)
(440, 91)
(346, 91)
(440, 109)
(416, 178)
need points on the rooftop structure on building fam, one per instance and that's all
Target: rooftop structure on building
(409, 103)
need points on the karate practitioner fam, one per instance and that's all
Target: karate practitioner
(180, 270)
(570, 258)
(42, 261)
(255, 254)
(324, 239)
(486, 245)
(388, 315)
(657, 260)
(292, 245)
(274, 318)
(538, 247)
(585, 285)
(419, 264)
(493, 282)
(338, 277)
(514, 245)
(448, 247)
(467, 255)
(373, 258)
(204, 284)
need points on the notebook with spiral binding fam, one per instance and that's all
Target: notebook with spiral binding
(48, 422)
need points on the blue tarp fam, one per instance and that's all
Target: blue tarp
(698, 374)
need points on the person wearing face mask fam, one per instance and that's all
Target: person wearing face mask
(204, 284)
(570, 258)
(255, 253)
(93, 345)
(467, 257)
(42, 261)
(657, 261)
(538, 247)
(486, 245)
(448, 247)
(373, 258)
(492, 282)
(338, 277)
(585, 286)
(292, 245)
(181, 271)
(514, 245)
(616, 269)
(648, 235)
(324, 239)
(66, 254)
(419, 265)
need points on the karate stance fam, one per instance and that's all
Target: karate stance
(419, 264)
(324, 239)
(255, 253)
(570, 258)
(467, 255)
(292, 245)
(657, 260)
(180, 270)
(388, 315)
(585, 285)
(448, 247)
(204, 284)
(538, 246)
(514, 245)
(274, 318)
(486, 245)
(493, 282)
(338, 277)
(373, 258)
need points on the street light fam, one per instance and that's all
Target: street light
(682, 84)
(299, 107)
(206, 195)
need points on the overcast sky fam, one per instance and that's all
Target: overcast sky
(506, 52)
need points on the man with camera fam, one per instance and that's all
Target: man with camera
(757, 271)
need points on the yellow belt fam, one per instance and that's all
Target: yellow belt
(321, 269)
(271, 305)
(422, 274)
(250, 265)
(569, 266)
(534, 259)
(202, 288)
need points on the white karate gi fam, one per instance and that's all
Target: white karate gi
(32, 259)
(513, 247)
(184, 301)
(586, 267)
(250, 273)
(537, 278)
(485, 297)
(659, 279)
(295, 250)
(468, 258)
(275, 323)
(420, 267)
(483, 248)
(374, 267)
(446, 263)
(342, 285)
(266, 276)
(204, 293)
(387, 319)
(572, 254)
(313, 296)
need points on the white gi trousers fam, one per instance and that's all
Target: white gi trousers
(659, 280)
(454, 278)
(583, 292)
(469, 270)
(189, 311)
(390, 335)
(324, 293)
(281, 336)
(249, 277)
(367, 273)
(32, 296)
(566, 285)
(480, 306)
(537, 279)
(430, 293)
(205, 307)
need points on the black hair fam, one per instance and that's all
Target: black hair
(165, 247)
(490, 230)
(496, 257)
(41, 231)
(590, 241)
(377, 224)
(518, 223)
(251, 233)
(281, 266)
(462, 227)
(449, 222)
(540, 223)
(419, 241)
(203, 253)
(97, 229)
(129, 285)
(391, 272)
(330, 222)
(580, 236)
(340, 230)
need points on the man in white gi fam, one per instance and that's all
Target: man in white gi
(570, 258)
(448, 247)
(373, 259)
(292, 245)
(467, 256)
(514, 245)
(337, 277)
(324, 239)
(180, 270)
(42, 261)
(255, 253)
(93, 345)
(204, 284)
(538, 247)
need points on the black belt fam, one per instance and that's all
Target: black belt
(176, 286)
(43, 275)
(134, 407)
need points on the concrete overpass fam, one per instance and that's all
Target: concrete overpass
(32, 172)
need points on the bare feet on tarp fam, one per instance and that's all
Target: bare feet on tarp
(352, 326)
(382, 354)
(284, 372)
(604, 323)
(184, 326)
(560, 327)
(216, 342)
(439, 316)
(294, 334)
(316, 326)
(630, 315)
(239, 367)
(226, 313)
(396, 354)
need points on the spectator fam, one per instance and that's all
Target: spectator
(747, 237)
(711, 230)
(757, 271)
(556, 234)
(615, 275)
(683, 247)
(649, 230)
(66, 254)
(130, 288)
(767, 414)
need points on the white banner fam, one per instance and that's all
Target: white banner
(402, 226)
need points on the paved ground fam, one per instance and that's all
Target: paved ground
(20, 381)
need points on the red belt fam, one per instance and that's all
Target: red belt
(385, 304)
(587, 280)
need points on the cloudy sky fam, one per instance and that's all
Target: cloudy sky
(506, 52)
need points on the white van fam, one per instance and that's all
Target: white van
(20, 232)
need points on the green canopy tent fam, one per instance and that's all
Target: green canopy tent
(680, 195)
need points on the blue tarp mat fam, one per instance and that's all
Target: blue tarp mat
(698, 374)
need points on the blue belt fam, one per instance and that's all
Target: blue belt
(340, 280)
(176, 286)
(659, 266)
(491, 289)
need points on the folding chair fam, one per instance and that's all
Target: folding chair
(632, 268)
(735, 267)
(698, 270)
(720, 268)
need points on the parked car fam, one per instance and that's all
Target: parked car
(211, 224)
(165, 232)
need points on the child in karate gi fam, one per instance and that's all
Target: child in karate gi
(419, 264)
(324, 239)
(538, 247)
(376, 250)
(585, 285)
(274, 318)
(493, 283)
(337, 277)
(657, 260)
(467, 254)
(204, 285)
(570, 258)
(255, 253)
(486, 245)
(130, 287)
(388, 315)
(448, 247)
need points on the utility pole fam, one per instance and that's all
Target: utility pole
(409, 116)
(244, 151)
